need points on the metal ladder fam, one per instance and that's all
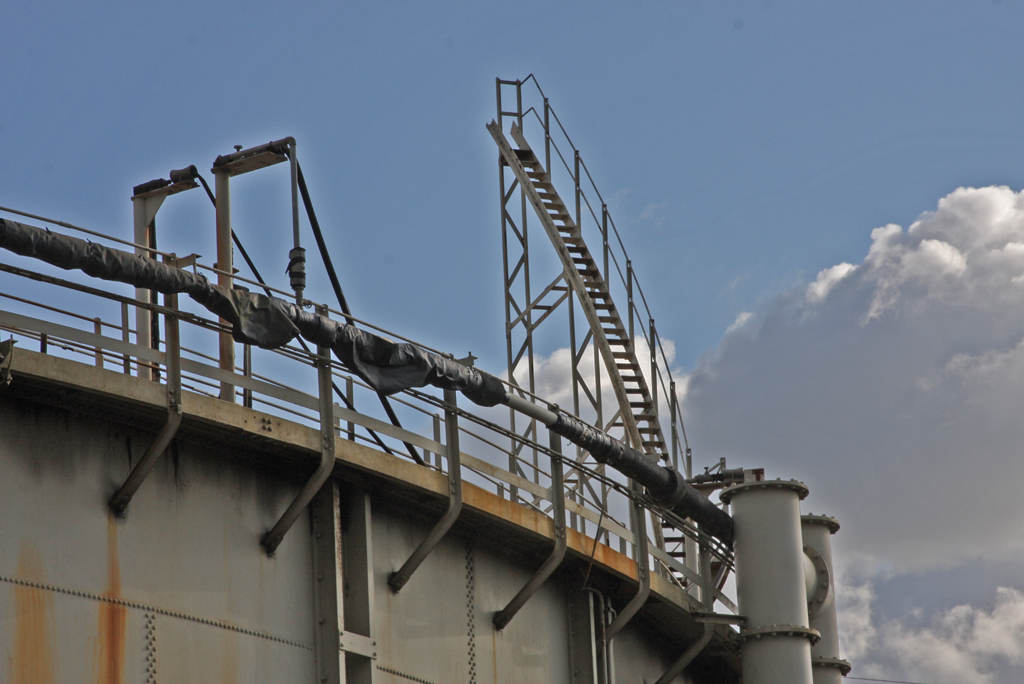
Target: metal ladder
(637, 404)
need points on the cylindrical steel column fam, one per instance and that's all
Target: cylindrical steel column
(143, 317)
(828, 667)
(225, 264)
(770, 588)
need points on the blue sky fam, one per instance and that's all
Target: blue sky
(744, 148)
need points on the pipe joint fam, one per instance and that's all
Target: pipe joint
(728, 493)
(769, 631)
(843, 666)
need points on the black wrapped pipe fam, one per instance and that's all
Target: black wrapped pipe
(665, 485)
(386, 366)
(267, 322)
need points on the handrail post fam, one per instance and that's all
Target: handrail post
(547, 136)
(437, 438)
(503, 617)
(222, 183)
(247, 372)
(576, 173)
(604, 240)
(519, 104)
(655, 376)
(125, 336)
(399, 578)
(673, 408)
(97, 327)
(629, 296)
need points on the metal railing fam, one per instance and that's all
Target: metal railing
(594, 219)
(67, 315)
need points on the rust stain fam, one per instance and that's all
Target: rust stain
(113, 618)
(533, 521)
(229, 669)
(32, 659)
(504, 509)
(603, 555)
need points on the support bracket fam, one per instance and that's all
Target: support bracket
(6, 355)
(638, 601)
(123, 496)
(273, 537)
(503, 617)
(399, 578)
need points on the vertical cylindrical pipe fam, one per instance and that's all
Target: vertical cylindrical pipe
(297, 255)
(225, 278)
(143, 317)
(770, 588)
(828, 667)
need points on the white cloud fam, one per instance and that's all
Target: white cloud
(553, 376)
(827, 279)
(740, 321)
(960, 644)
(891, 386)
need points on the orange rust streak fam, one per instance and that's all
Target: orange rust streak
(113, 618)
(32, 659)
(522, 516)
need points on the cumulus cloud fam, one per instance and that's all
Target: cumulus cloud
(553, 377)
(891, 386)
(982, 645)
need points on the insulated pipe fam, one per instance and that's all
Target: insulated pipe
(770, 589)
(665, 485)
(222, 182)
(828, 667)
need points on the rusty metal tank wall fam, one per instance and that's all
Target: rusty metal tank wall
(177, 588)
(180, 590)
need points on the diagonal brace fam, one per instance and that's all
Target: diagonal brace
(123, 496)
(503, 617)
(398, 579)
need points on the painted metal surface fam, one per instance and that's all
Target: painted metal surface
(770, 588)
(180, 590)
(85, 592)
(828, 666)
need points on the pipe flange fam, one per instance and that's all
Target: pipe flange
(821, 597)
(725, 496)
(832, 523)
(812, 635)
(843, 666)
